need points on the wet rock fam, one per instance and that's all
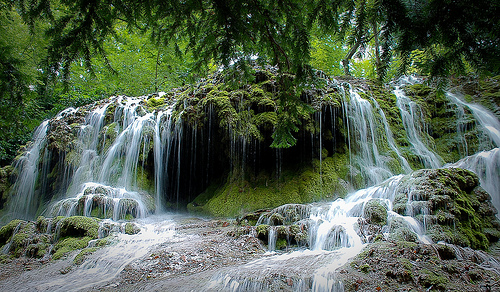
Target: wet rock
(367, 231)
(77, 226)
(131, 228)
(252, 218)
(445, 252)
(375, 212)
(403, 234)
(451, 203)
(7, 230)
(263, 232)
(383, 266)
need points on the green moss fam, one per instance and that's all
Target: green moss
(375, 212)
(38, 249)
(365, 268)
(5, 184)
(456, 213)
(262, 230)
(68, 245)
(403, 234)
(112, 131)
(5, 259)
(131, 228)
(108, 240)
(80, 257)
(153, 102)
(145, 181)
(128, 217)
(7, 230)
(431, 279)
(240, 196)
(41, 224)
(18, 243)
(281, 243)
(79, 226)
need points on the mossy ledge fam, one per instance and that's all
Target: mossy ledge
(238, 196)
(458, 211)
(50, 238)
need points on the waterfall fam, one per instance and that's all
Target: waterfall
(159, 154)
(413, 122)
(486, 165)
(104, 172)
(127, 161)
(88, 138)
(108, 262)
(490, 125)
(334, 238)
(23, 201)
(363, 133)
(24, 198)
(105, 182)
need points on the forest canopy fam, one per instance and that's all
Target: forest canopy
(55, 54)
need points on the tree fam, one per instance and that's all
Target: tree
(235, 33)
(453, 34)
(20, 52)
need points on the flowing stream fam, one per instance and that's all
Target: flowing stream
(106, 263)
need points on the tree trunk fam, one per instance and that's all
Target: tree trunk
(378, 63)
(348, 57)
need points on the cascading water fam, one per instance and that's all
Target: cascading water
(413, 120)
(334, 238)
(106, 180)
(490, 125)
(485, 164)
(24, 190)
(107, 262)
(105, 169)
(109, 160)
(24, 187)
(363, 132)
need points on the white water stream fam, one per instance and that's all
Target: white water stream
(413, 122)
(106, 263)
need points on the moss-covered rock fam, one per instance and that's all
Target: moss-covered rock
(5, 183)
(453, 128)
(456, 209)
(82, 255)
(375, 212)
(389, 266)
(80, 226)
(68, 245)
(131, 228)
(7, 230)
(61, 235)
(60, 135)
